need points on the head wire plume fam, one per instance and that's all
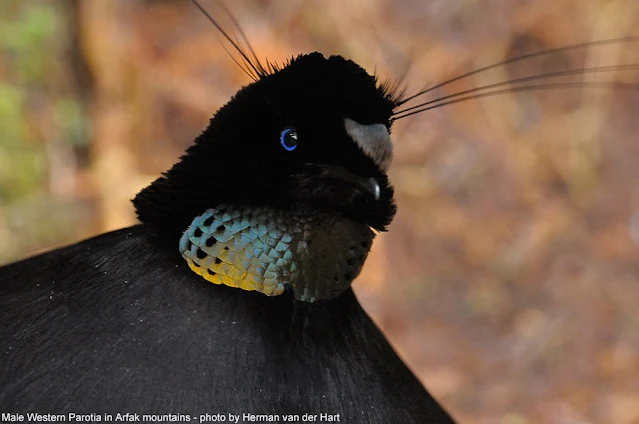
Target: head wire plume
(513, 84)
(252, 66)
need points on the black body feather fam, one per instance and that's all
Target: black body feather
(118, 324)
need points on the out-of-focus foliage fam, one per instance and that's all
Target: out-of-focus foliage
(42, 121)
(26, 38)
(510, 278)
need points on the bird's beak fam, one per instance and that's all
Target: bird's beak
(374, 187)
(368, 185)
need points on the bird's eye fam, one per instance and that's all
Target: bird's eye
(288, 139)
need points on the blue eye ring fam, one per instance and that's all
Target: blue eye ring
(288, 139)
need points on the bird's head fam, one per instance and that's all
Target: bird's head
(309, 140)
(313, 135)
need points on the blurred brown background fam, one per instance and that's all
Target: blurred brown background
(510, 279)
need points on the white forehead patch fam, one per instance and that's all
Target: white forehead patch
(374, 140)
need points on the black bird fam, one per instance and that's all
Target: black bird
(232, 296)
(276, 204)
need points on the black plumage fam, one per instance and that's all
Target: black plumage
(115, 324)
(119, 323)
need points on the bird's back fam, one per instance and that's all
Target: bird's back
(114, 324)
